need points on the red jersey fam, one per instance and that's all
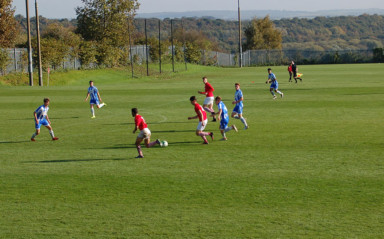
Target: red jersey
(289, 68)
(199, 108)
(208, 90)
(140, 121)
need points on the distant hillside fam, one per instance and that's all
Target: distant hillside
(249, 14)
(319, 33)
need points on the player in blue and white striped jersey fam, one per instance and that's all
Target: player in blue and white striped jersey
(95, 98)
(237, 112)
(223, 117)
(41, 118)
(274, 84)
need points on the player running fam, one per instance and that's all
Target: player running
(41, 118)
(95, 98)
(237, 112)
(202, 115)
(274, 84)
(223, 117)
(145, 133)
(208, 102)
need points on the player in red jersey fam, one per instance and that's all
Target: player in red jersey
(145, 133)
(202, 116)
(208, 102)
(290, 72)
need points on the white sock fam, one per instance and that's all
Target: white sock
(93, 111)
(33, 136)
(272, 93)
(244, 122)
(279, 92)
(236, 117)
(52, 134)
(227, 129)
(224, 136)
(100, 106)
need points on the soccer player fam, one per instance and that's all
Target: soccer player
(208, 102)
(237, 112)
(202, 116)
(41, 118)
(290, 72)
(294, 70)
(274, 84)
(223, 117)
(145, 133)
(95, 98)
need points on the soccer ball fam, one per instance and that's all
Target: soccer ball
(164, 143)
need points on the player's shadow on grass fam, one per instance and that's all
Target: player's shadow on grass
(73, 117)
(14, 142)
(121, 146)
(184, 142)
(172, 131)
(76, 160)
(121, 124)
(169, 122)
(31, 118)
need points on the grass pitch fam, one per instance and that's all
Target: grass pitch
(310, 165)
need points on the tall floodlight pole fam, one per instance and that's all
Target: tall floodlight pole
(38, 45)
(30, 68)
(240, 47)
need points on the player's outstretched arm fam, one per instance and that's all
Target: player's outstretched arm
(98, 95)
(86, 98)
(217, 113)
(35, 115)
(193, 117)
(136, 128)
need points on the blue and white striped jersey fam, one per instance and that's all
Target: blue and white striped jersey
(224, 112)
(272, 77)
(238, 96)
(92, 90)
(41, 112)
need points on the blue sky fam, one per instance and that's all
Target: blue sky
(66, 8)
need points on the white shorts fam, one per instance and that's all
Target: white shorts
(208, 101)
(144, 134)
(200, 127)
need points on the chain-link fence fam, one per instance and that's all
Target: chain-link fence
(14, 60)
(281, 57)
(17, 59)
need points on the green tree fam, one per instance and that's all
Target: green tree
(106, 20)
(8, 26)
(87, 54)
(66, 38)
(262, 34)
